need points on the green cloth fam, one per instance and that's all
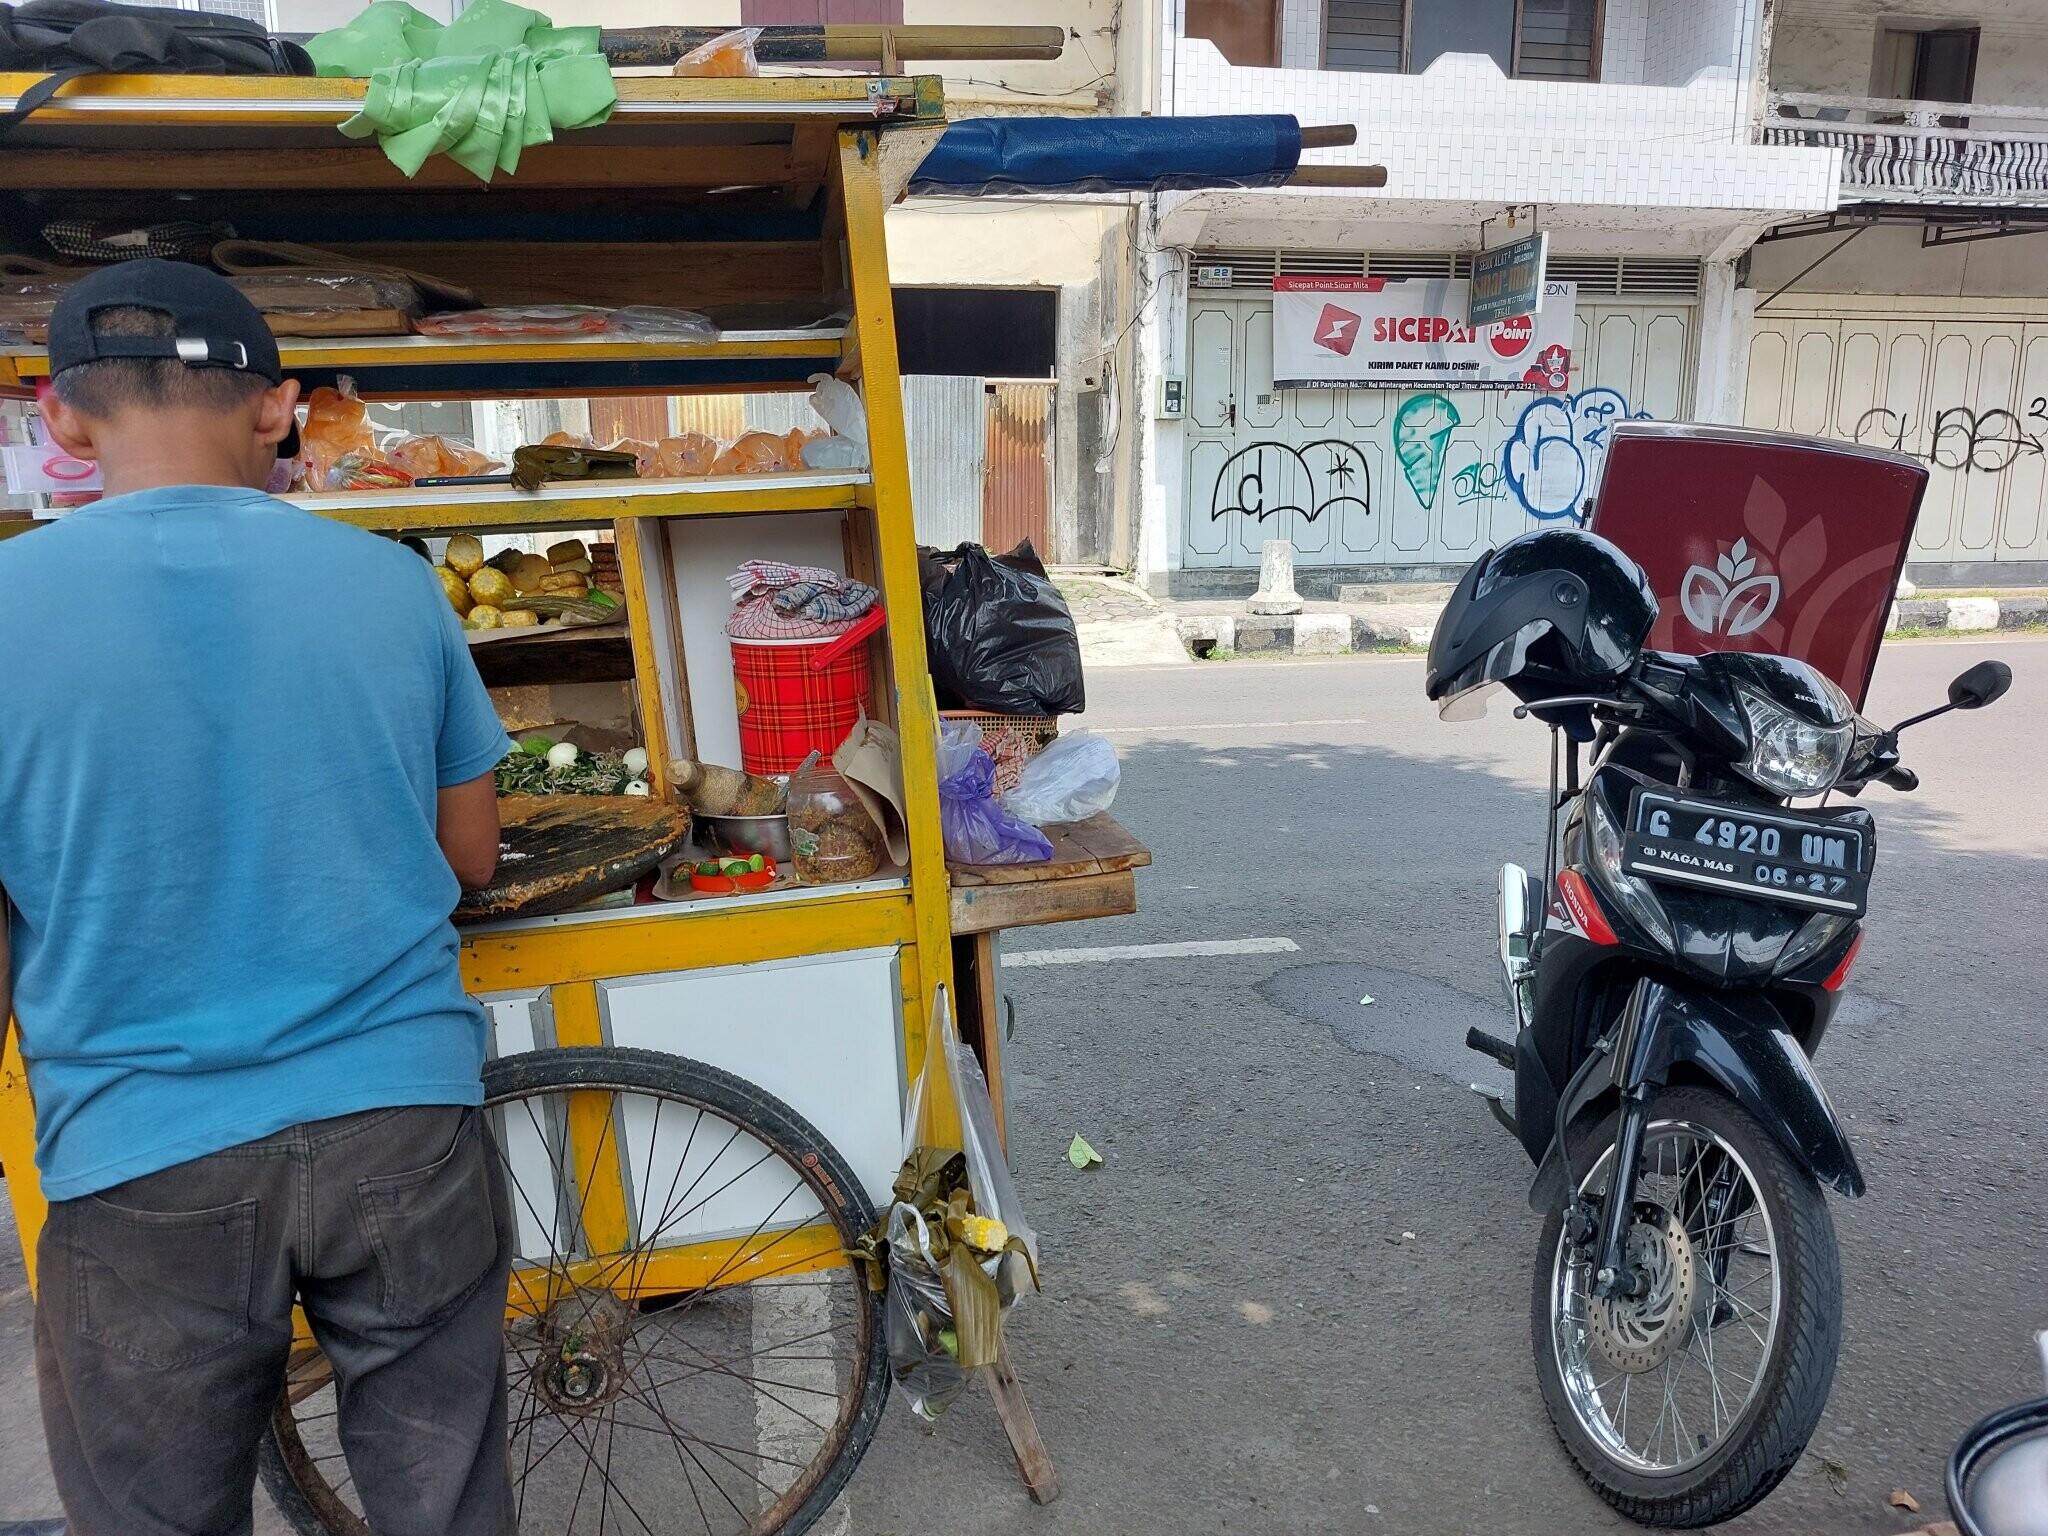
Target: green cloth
(496, 80)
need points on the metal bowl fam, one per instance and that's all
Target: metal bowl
(740, 835)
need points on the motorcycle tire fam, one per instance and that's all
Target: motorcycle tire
(1772, 1431)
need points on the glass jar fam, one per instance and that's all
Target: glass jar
(831, 836)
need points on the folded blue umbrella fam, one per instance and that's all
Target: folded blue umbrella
(995, 155)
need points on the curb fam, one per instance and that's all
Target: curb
(1340, 634)
(1301, 634)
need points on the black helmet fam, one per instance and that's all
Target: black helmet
(1549, 613)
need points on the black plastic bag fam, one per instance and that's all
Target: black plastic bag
(999, 633)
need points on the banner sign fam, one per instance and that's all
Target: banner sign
(1342, 332)
(1508, 280)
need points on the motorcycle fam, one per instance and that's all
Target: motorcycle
(1671, 974)
(1998, 1476)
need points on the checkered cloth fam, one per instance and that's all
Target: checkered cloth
(773, 600)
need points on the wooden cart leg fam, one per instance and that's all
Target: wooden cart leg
(1034, 1463)
(980, 993)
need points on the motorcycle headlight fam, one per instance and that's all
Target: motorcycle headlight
(1603, 840)
(1814, 935)
(1789, 755)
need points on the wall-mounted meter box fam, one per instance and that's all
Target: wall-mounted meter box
(1173, 398)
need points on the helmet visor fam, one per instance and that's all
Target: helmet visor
(1472, 689)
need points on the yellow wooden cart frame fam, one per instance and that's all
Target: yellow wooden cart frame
(836, 150)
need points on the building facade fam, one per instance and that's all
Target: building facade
(1624, 129)
(1914, 314)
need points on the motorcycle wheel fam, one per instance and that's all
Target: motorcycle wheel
(1688, 1404)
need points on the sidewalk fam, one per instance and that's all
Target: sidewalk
(1122, 625)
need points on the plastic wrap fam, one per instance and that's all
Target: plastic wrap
(656, 322)
(754, 453)
(945, 1297)
(690, 454)
(728, 56)
(1074, 778)
(999, 634)
(435, 457)
(518, 320)
(834, 452)
(337, 425)
(976, 829)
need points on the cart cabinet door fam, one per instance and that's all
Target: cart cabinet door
(823, 1034)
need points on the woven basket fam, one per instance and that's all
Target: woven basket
(1012, 740)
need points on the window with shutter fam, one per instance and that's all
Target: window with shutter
(1529, 39)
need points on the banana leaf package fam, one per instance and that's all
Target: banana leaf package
(541, 463)
(954, 1250)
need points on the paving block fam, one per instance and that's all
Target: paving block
(1322, 634)
(1973, 613)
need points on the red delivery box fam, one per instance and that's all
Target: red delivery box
(1763, 541)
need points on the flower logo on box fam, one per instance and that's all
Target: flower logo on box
(1337, 330)
(1552, 369)
(1511, 337)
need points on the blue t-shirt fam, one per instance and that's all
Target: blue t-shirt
(223, 722)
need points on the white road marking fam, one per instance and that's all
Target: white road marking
(1224, 725)
(1191, 948)
(782, 1313)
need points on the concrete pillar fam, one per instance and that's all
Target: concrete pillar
(1726, 316)
(1276, 592)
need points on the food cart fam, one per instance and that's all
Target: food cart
(698, 1101)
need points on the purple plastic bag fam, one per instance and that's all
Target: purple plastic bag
(976, 829)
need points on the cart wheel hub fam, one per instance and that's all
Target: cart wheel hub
(580, 1365)
(1639, 1333)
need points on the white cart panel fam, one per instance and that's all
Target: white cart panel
(822, 1033)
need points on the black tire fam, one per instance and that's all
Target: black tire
(619, 1069)
(1771, 1434)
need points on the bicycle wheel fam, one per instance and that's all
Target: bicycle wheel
(689, 1349)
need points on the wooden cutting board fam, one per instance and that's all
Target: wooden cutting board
(560, 851)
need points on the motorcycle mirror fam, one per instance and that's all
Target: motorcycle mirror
(1983, 684)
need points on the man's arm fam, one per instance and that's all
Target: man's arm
(466, 827)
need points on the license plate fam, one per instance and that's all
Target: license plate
(1802, 861)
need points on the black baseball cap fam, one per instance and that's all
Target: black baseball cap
(215, 325)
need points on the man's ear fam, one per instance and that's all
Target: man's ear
(71, 428)
(275, 412)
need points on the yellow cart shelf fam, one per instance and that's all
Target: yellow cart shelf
(500, 509)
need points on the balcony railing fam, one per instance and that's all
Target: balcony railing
(1933, 151)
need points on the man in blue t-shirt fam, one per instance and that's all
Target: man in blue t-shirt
(245, 767)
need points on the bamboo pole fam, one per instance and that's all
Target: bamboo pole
(659, 46)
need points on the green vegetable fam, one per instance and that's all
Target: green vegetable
(599, 598)
(735, 867)
(537, 745)
(757, 864)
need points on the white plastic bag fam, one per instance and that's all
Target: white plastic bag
(839, 403)
(1074, 778)
(834, 453)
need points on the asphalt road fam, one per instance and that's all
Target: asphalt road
(1238, 1332)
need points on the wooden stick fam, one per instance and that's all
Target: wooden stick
(659, 46)
(1034, 1463)
(1329, 136)
(1338, 176)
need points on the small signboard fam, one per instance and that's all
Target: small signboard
(1212, 277)
(1347, 332)
(1508, 280)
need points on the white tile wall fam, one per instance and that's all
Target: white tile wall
(1463, 132)
(1624, 41)
(1301, 33)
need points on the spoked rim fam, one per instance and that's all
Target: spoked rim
(1662, 1383)
(700, 1376)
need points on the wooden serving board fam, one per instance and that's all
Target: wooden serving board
(560, 851)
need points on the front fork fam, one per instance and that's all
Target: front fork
(1630, 1053)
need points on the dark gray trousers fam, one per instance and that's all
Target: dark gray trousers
(164, 1319)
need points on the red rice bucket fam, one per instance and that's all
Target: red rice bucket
(798, 695)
